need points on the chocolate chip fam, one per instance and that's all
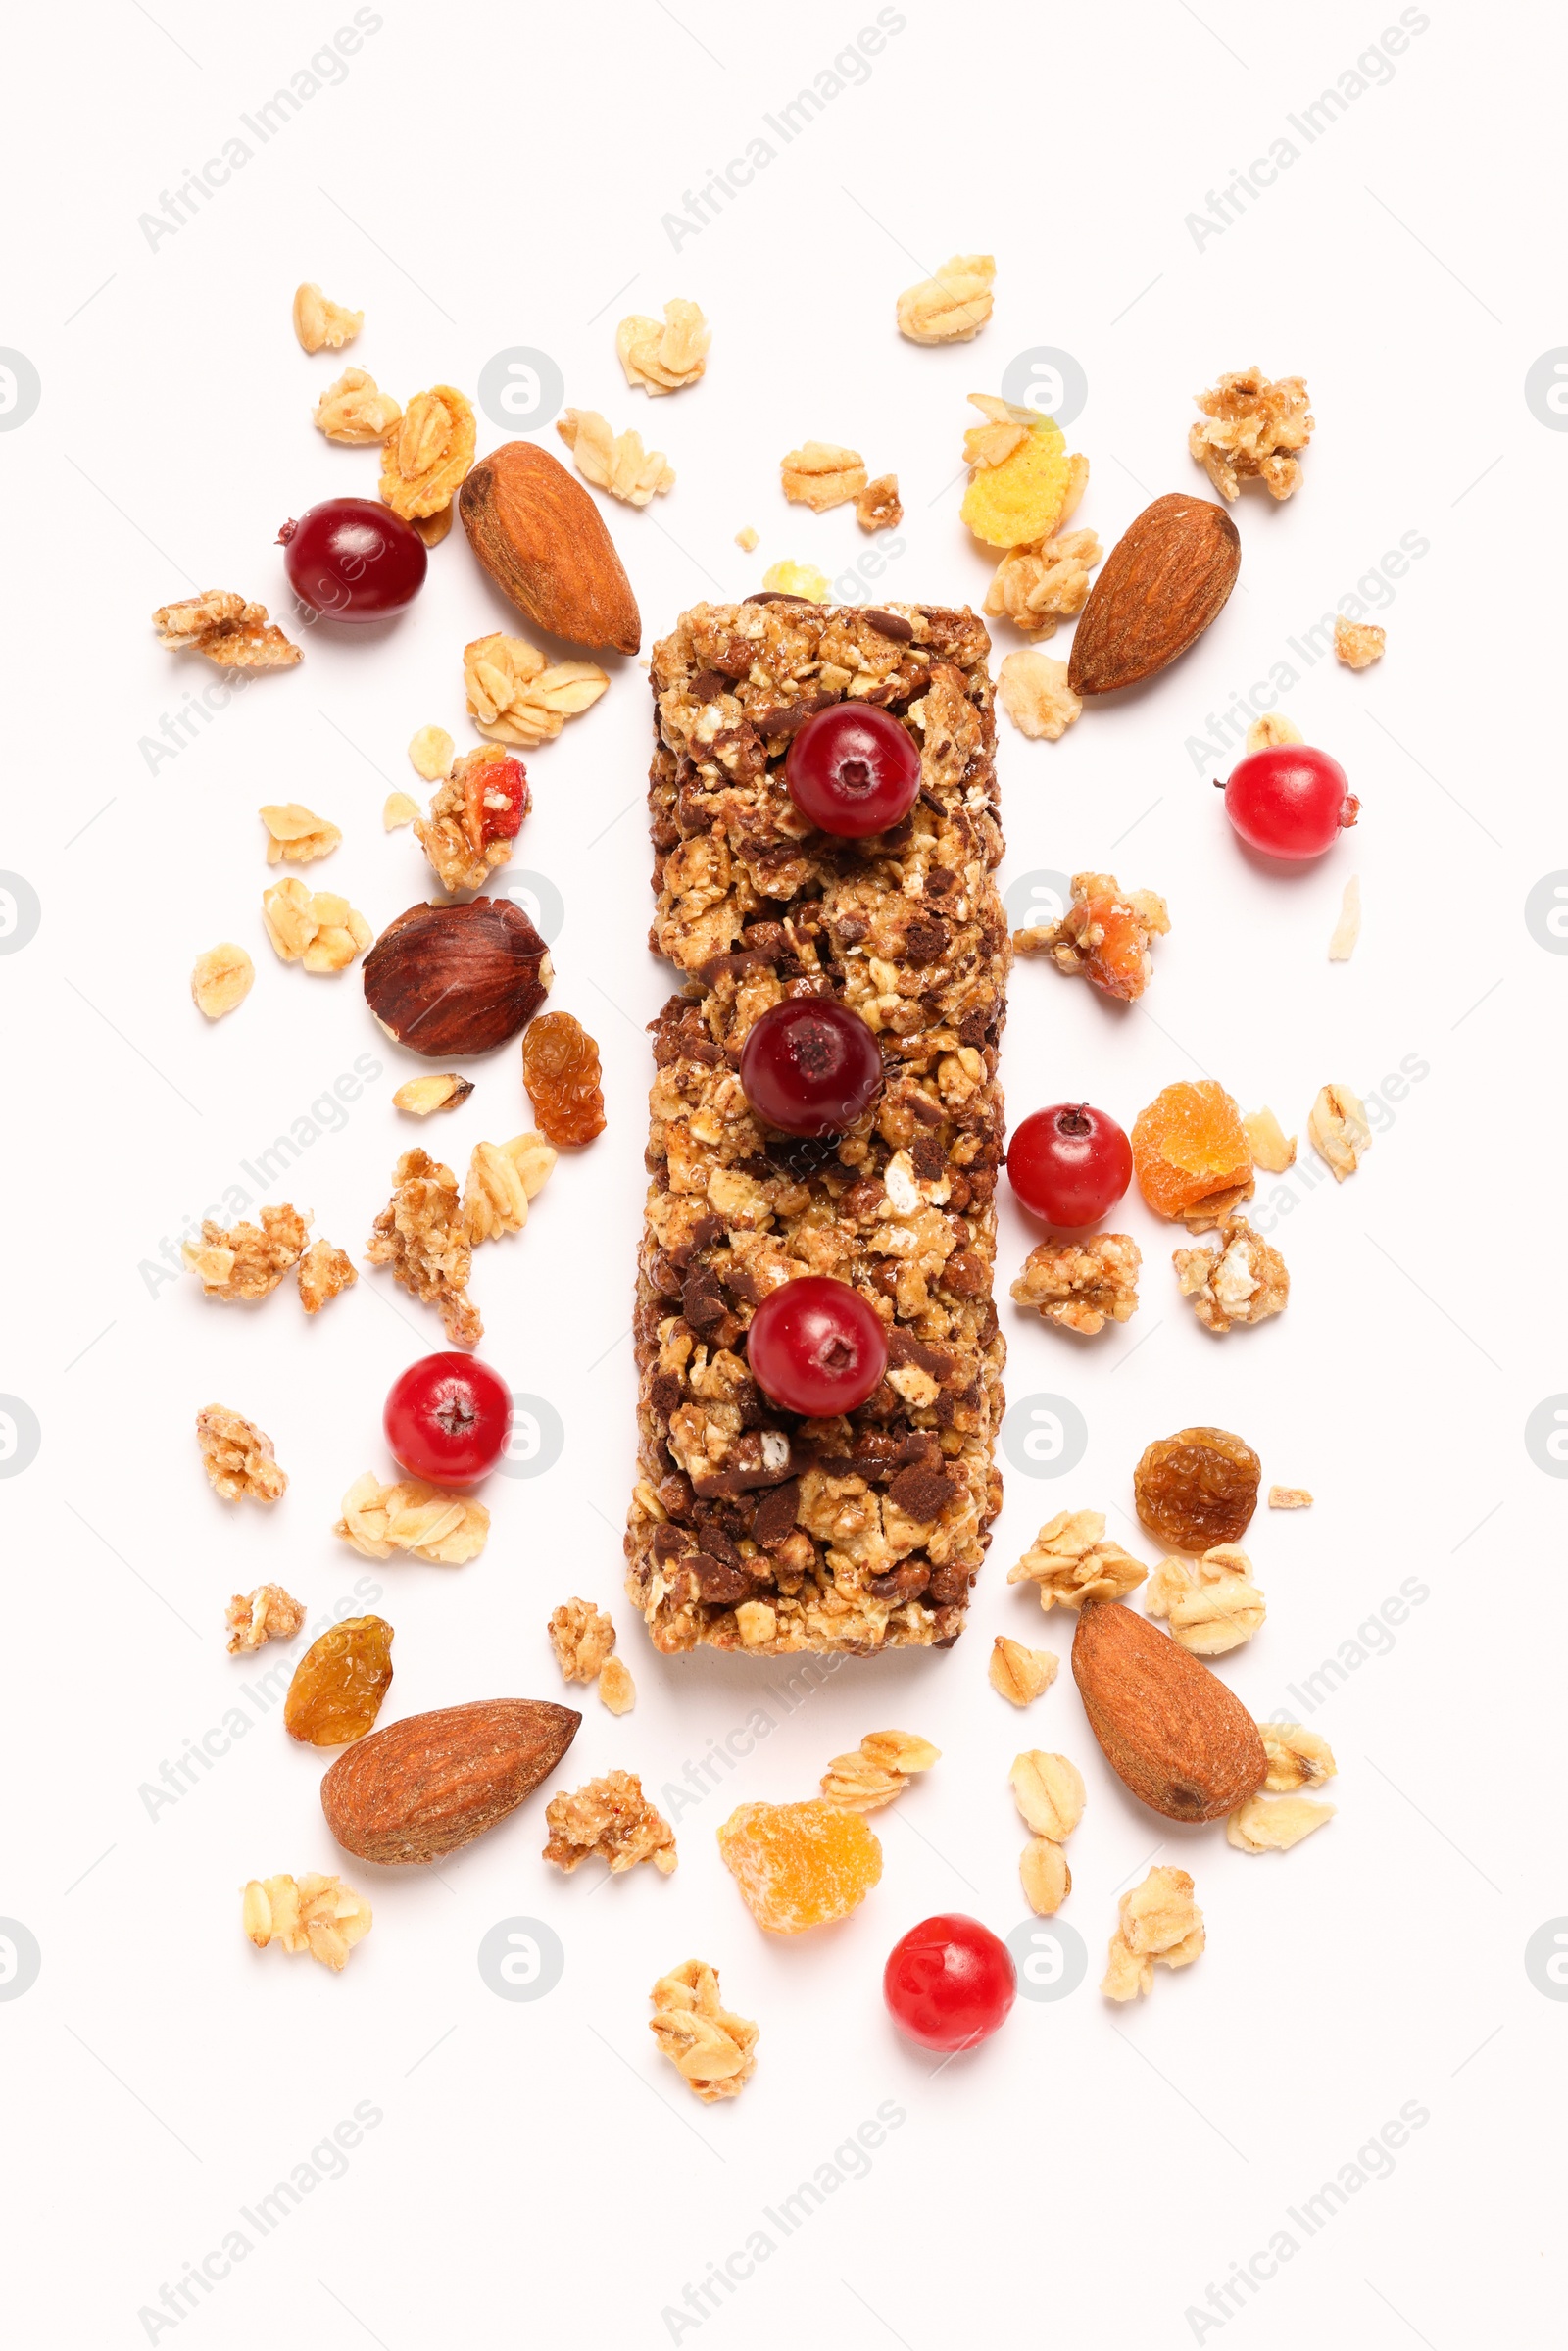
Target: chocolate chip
(669, 1543)
(715, 1541)
(906, 1582)
(664, 1393)
(949, 1586)
(889, 624)
(706, 684)
(714, 1579)
(927, 1156)
(939, 880)
(775, 596)
(921, 1493)
(927, 938)
(776, 1512)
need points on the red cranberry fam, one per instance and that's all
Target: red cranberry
(811, 1066)
(815, 1346)
(352, 558)
(1290, 801)
(1069, 1164)
(498, 799)
(853, 771)
(448, 1419)
(950, 1982)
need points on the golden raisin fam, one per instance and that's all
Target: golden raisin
(1190, 1147)
(561, 1070)
(799, 1865)
(1198, 1488)
(339, 1682)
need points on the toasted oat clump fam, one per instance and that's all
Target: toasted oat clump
(1073, 1560)
(397, 809)
(322, 325)
(503, 1178)
(1358, 644)
(378, 1520)
(353, 411)
(1336, 1124)
(952, 306)
(878, 506)
(1296, 1757)
(617, 1689)
(880, 1768)
(422, 1235)
(612, 1819)
(1019, 1674)
(222, 978)
(1242, 1280)
(235, 634)
(324, 1273)
(1271, 729)
(516, 697)
(315, 1914)
(248, 1260)
(1036, 587)
(583, 1638)
(1252, 428)
(615, 462)
(1034, 692)
(453, 835)
(1289, 1497)
(1158, 1920)
(1347, 930)
(294, 832)
(421, 1096)
(1048, 1791)
(712, 2051)
(822, 474)
(1211, 1604)
(238, 1456)
(269, 1613)
(1105, 935)
(1265, 1825)
(665, 358)
(426, 455)
(1271, 1147)
(788, 578)
(1081, 1284)
(430, 751)
(317, 928)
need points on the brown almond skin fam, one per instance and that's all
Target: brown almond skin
(543, 541)
(458, 979)
(433, 1783)
(1171, 1731)
(1165, 579)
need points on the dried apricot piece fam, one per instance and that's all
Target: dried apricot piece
(1191, 1152)
(799, 1865)
(560, 1071)
(339, 1682)
(1197, 1489)
(1105, 935)
(1018, 500)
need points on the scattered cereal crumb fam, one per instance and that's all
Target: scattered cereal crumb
(324, 1273)
(1347, 931)
(1271, 1147)
(237, 1457)
(1358, 645)
(1253, 430)
(712, 2051)
(1272, 1824)
(456, 835)
(422, 1235)
(615, 462)
(295, 833)
(952, 306)
(235, 634)
(583, 1638)
(616, 1688)
(798, 580)
(322, 325)
(503, 1178)
(1289, 1497)
(878, 506)
(353, 411)
(1272, 728)
(430, 748)
(880, 1768)
(1034, 692)
(517, 697)
(1048, 1791)
(315, 1914)
(1035, 587)
(248, 1260)
(433, 528)
(1337, 1126)
(665, 358)
(1158, 1920)
(269, 1613)
(746, 538)
(421, 1096)
(1296, 1757)
(613, 1817)
(1019, 1674)
(223, 977)
(378, 1520)
(1047, 1880)
(1106, 934)
(822, 474)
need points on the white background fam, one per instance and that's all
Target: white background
(485, 178)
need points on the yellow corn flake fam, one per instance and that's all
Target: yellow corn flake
(798, 580)
(1017, 497)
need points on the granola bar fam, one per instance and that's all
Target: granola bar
(751, 1528)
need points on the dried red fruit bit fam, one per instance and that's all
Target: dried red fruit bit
(560, 1071)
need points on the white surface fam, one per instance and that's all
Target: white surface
(485, 178)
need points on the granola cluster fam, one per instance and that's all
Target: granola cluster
(269, 1613)
(1073, 1559)
(297, 833)
(1105, 935)
(503, 1178)
(1211, 1604)
(321, 323)
(1036, 587)
(615, 462)
(1358, 644)
(422, 1235)
(235, 634)
(314, 927)
(447, 1529)
(1252, 428)
(517, 697)
(238, 1457)
(354, 410)
(455, 836)
(664, 357)
(1081, 1284)
(315, 1914)
(1158, 1920)
(750, 1527)
(426, 455)
(613, 1817)
(1241, 1280)
(712, 2051)
(1034, 692)
(324, 1273)
(248, 1260)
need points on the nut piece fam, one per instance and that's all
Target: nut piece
(1212, 1603)
(1106, 933)
(1242, 1280)
(1347, 931)
(1336, 1124)
(221, 979)
(1289, 1497)
(431, 749)
(397, 809)
(1296, 1757)
(1034, 692)
(315, 1914)
(248, 1260)
(1167, 577)
(270, 1613)
(952, 306)
(1271, 729)
(878, 506)
(457, 979)
(822, 474)
(1073, 1560)
(1158, 1920)
(503, 1178)
(324, 1273)
(1358, 645)
(1035, 587)
(294, 833)
(609, 1817)
(426, 455)
(421, 1096)
(664, 359)
(432, 1782)
(513, 697)
(616, 1688)
(1169, 1729)
(1261, 1826)
(710, 2048)
(615, 462)
(543, 541)
(1020, 1674)
(1252, 428)
(798, 580)
(1271, 1147)
(1048, 1791)
(447, 1529)
(422, 1235)
(353, 411)
(320, 324)
(583, 1638)
(1047, 1878)
(880, 1769)
(1081, 1284)
(475, 818)
(237, 1457)
(315, 928)
(229, 631)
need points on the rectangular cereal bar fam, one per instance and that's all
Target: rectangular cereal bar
(750, 1528)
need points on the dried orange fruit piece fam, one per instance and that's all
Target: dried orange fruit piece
(1018, 499)
(1191, 1152)
(799, 1865)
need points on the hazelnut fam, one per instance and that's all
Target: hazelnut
(447, 981)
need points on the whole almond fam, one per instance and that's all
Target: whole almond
(1171, 1730)
(543, 541)
(1165, 579)
(457, 979)
(435, 1781)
